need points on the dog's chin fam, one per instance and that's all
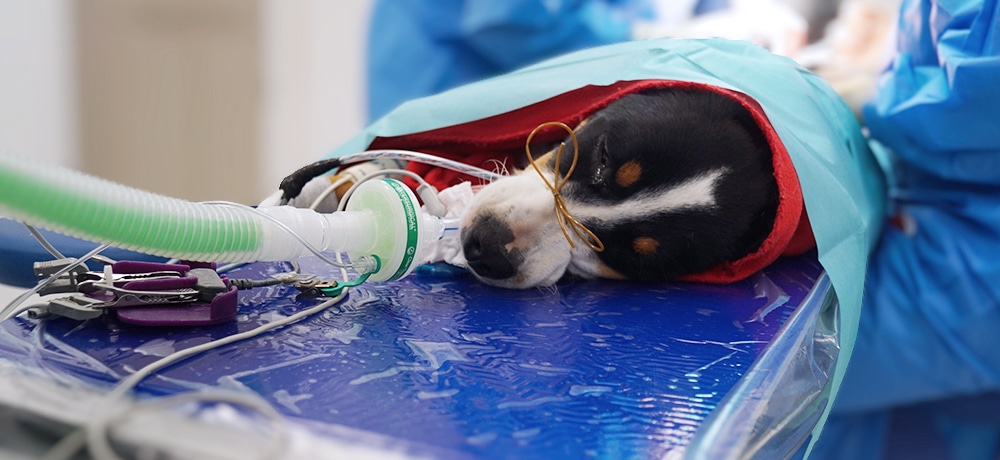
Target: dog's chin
(535, 271)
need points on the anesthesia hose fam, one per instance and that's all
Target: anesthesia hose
(383, 218)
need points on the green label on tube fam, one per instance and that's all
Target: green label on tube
(410, 212)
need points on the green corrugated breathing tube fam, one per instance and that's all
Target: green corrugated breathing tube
(383, 218)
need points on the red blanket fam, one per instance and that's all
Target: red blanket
(501, 138)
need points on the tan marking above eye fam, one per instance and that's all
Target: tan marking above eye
(645, 245)
(629, 173)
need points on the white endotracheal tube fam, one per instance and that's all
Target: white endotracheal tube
(383, 219)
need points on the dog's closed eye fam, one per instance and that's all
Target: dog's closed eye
(603, 161)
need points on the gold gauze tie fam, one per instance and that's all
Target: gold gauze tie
(562, 212)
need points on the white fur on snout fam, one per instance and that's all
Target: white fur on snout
(525, 204)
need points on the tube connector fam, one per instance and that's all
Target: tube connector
(402, 232)
(382, 219)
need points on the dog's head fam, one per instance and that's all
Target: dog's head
(672, 182)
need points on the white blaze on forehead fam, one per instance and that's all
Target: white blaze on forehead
(697, 192)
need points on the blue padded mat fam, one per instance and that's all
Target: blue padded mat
(448, 367)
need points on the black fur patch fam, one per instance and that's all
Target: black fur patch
(673, 136)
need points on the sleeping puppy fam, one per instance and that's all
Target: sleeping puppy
(673, 182)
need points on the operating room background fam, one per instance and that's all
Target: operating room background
(194, 99)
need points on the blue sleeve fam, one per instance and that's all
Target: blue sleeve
(514, 33)
(932, 303)
(937, 106)
(930, 326)
(422, 47)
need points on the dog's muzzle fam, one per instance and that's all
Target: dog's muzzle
(485, 245)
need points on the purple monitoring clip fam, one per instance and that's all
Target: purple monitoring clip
(220, 309)
(217, 302)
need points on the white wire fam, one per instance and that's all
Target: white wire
(316, 203)
(55, 252)
(327, 191)
(97, 426)
(421, 158)
(383, 172)
(362, 266)
(12, 310)
(252, 401)
(95, 433)
(44, 242)
(68, 446)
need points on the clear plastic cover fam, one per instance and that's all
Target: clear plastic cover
(439, 365)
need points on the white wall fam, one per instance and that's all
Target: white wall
(312, 82)
(37, 93)
(312, 90)
(313, 78)
(37, 74)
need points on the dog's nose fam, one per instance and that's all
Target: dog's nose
(484, 245)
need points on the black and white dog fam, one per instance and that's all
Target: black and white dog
(672, 181)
